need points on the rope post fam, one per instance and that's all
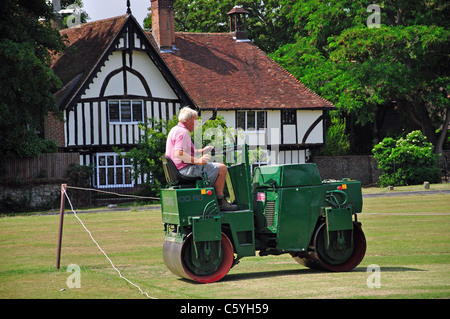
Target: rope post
(61, 219)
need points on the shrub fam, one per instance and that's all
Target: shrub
(337, 142)
(80, 176)
(146, 156)
(407, 161)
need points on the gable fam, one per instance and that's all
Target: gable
(86, 45)
(112, 58)
(117, 78)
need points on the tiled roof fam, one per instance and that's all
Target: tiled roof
(88, 43)
(216, 71)
(220, 73)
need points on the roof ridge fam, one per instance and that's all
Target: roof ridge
(106, 19)
(195, 33)
(203, 33)
(91, 23)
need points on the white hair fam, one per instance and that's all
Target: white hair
(186, 113)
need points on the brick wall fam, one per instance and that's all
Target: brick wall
(54, 129)
(361, 168)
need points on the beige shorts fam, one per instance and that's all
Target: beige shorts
(211, 169)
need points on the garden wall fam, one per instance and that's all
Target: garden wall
(34, 183)
(363, 168)
(47, 195)
(29, 196)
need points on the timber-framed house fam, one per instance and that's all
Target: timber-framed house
(116, 75)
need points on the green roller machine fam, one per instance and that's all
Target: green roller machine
(283, 209)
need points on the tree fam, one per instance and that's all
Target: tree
(268, 22)
(403, 64)
(337, 141)
(407, 67)
(27, 42)
(81, 13)
(146, 156)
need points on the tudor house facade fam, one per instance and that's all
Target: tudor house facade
(116, 75)
(115, 80)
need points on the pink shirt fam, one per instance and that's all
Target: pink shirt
(179, 139)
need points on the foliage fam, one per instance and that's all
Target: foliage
(268, 23)
(15, 204)
(407, 161)
(337, 142)
(83, 16)
(403, 64)
(26, 80)
(146, 156)
(80, 176)
(447, 141)
(27, 144)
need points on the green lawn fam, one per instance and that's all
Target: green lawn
(411, 188)
(408, 238)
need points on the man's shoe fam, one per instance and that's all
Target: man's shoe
(225, 206)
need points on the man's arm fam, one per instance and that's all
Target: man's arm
(186, 158)
(206, 149)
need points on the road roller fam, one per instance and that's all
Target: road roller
(282, 209)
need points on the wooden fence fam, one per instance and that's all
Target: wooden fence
(52, 165)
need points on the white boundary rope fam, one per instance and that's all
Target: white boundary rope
(110, 261)
(117, 194)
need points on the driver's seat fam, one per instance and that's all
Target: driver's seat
(173, 176)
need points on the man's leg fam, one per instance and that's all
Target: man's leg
(218, 187)
(220, 181)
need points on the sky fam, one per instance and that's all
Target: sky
(102, 9)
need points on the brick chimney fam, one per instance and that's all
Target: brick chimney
(163, 24)
(54, 129)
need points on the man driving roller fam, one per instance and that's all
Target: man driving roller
(180, 149)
